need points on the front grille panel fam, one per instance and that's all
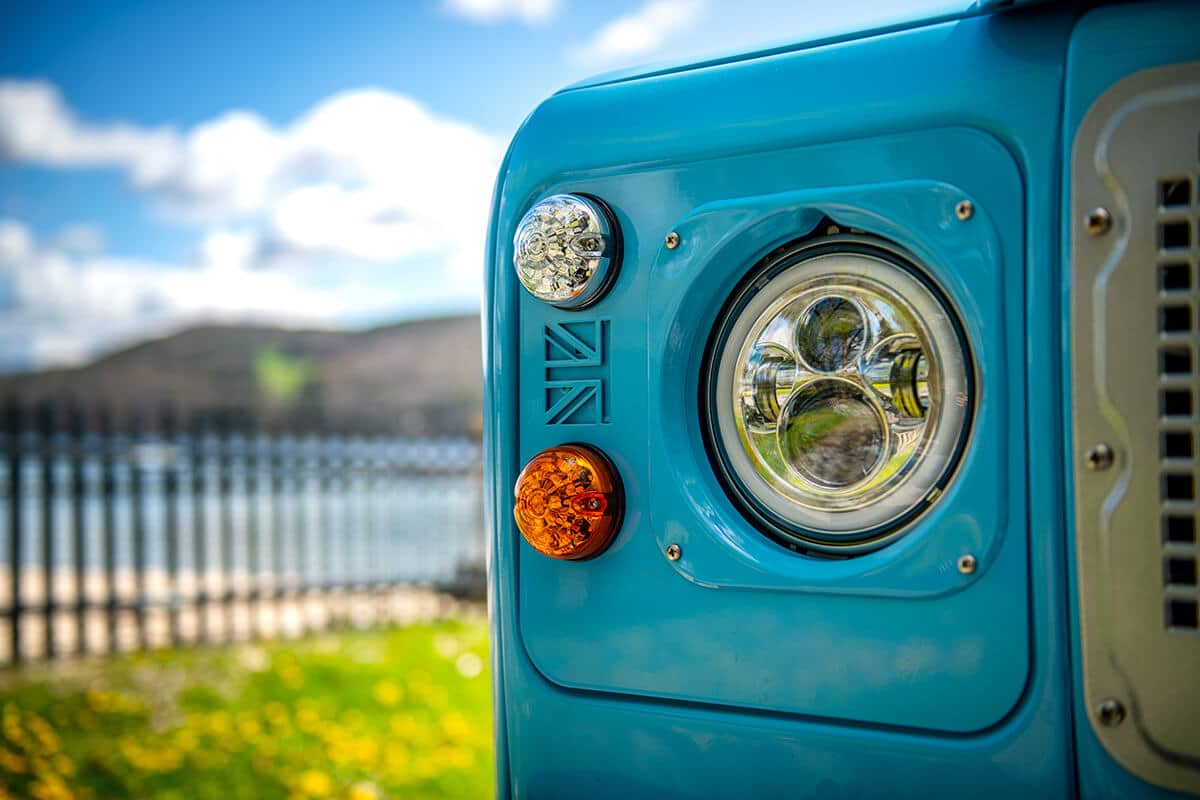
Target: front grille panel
(1135, 352)
(1177, 213)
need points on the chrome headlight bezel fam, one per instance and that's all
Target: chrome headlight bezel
(797, 521)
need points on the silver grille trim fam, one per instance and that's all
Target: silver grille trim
(1135, 309)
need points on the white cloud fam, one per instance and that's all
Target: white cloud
(640, 32)
(367, 203)
(368, 173)
(16, 243)
(36, 126)
(65, 308)
(528, 11)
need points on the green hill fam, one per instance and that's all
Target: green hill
(421, 377)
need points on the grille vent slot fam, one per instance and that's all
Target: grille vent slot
(1177, 217)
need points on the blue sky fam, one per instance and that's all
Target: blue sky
(292, 163)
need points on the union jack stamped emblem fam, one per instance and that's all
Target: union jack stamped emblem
(576, 372)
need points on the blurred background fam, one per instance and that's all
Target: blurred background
(241, 267)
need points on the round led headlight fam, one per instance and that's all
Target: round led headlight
(839, 393)
(566, 250)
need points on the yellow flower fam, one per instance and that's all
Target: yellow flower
(315, 784)
(275, 713)
(403, 725)
(249, 728)
(268, 747)
(185, 740)
(388, 693)
(11, 762)
(308, 720)
(64, 765)
(219, 723)
(51, 788)
(12, 727)
(455, 726)
(396, 759)
(365, 751)
(44, 734)
(165, 760)
(363, 791)
(291, 675)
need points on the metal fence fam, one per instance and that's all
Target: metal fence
(154, 533)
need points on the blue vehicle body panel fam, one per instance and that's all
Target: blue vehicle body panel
(1109, 44)
(897, 637)
(744, 669)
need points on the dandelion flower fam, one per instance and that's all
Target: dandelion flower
(315, 784)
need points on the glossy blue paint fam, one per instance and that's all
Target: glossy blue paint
(744, 669)
(868, 630)
(1109, 44)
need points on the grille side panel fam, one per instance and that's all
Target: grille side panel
(1134, 327)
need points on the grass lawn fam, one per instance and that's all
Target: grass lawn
(359, 715)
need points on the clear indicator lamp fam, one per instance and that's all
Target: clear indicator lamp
(566, 250)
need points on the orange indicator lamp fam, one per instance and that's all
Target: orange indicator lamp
(568, 502)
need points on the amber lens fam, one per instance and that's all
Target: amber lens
(568, 502)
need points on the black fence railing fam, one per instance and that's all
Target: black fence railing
(156, 533)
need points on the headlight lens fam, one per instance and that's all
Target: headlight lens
(840, 393)
(566, 250)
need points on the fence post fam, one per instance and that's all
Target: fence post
(108, 491)
(250, 467)
(197, 468)
(134, 453)
(168, 424)
(275, 465)
(300, 482)
(326, 510)
(76, 452)
(348, 468)
(13, 429)
(225, 523)
(44, 447)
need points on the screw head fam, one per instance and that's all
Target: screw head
(672, 240)
(1099, 457)
(967, 564)
(964, 210)
(1097, 222)
(1110, 712)
(674, 552)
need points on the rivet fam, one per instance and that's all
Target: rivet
(964, 210)
(1110, 712)
(1099, 457)
(672, 240)
(967, 564)
(674, 552)
(1097, 222)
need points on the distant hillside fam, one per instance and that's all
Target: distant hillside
(417, 377)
